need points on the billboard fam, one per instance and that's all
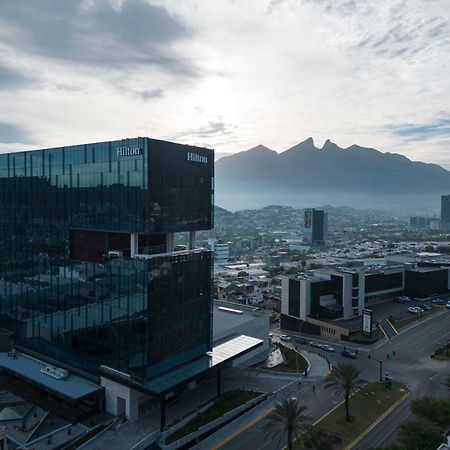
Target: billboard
(367, 321)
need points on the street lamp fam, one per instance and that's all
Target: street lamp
(381, 366)
(297, 343)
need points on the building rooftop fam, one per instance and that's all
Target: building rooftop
(224, 320)
(221, 352)
(74, 387)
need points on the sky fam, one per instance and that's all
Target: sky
(227, 74)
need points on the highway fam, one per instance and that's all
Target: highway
(410, 365)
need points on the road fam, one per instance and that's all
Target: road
(407, 359)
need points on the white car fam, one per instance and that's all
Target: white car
(327, 348)
(285, 337)
(415, 310)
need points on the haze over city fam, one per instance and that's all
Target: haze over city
(227, 74)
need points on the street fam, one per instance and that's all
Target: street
(411, 364)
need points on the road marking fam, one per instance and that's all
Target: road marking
(384, 332)
(374, 424)
(244, 428)
(392, 326)
(394, 429)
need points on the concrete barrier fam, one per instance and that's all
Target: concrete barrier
(215, 423)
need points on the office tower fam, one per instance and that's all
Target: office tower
(445, 212)
(315, 226)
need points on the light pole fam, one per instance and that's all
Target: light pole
(297, 344)
(381, 366)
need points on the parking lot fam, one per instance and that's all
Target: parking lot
(399, 311)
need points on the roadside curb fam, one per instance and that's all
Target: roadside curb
(302, 354)
(374, 424)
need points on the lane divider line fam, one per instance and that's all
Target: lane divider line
(374, 424)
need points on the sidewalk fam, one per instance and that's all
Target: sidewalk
(319, 365)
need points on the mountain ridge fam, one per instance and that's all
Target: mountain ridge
(305, 168)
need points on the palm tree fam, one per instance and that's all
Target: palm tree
(344, 378)
(286, 417)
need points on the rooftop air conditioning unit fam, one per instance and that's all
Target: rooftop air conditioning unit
(142, 256)
(55, 372)
(115, 254)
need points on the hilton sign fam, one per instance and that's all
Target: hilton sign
(128, 151)
(197, 158)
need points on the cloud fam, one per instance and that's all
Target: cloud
(11, 78)
(214, 128)
(97, 33)
(150, 94)
(441, 128)
(11, 134)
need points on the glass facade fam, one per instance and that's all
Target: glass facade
(63, 210)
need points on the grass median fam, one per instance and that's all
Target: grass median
(230, 400)
(366, 406)
(293, 361)
(398, 324)
(442, 353)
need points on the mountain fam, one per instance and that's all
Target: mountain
(305, 175)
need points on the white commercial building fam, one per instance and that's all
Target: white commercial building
(221, 251)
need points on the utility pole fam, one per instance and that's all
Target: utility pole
(381, 366)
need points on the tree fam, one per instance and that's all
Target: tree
(419, 434)
(436, 410)
(344, 378)
(286, 418)
(317, 439)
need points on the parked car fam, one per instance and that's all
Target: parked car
(301, 341)
(327, 348)
(424, 307)
(415, 310)
(448, 305)
(348, 354)
(315, 344)
(285, 337)
(402, 300)
(437, 301)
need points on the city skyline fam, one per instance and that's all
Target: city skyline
(227, 75)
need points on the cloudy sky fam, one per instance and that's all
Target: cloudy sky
(228, 74)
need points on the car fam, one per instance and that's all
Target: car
(315, 344)
(415, 310)
(424, 307)
(301, 341)
(437, 301)
(348, 354)
(285, 337)
(327, 348)
(294, 399)
(402, 300)
(448, 305)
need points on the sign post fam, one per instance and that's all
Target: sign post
(367, 322)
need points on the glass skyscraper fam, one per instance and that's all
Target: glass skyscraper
(88, 275)
(445, 212)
